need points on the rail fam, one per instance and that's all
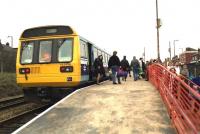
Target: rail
(182, 99)
(23, 113)
(11, 101)
(15, 121)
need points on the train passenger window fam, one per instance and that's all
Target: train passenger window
(84, 49)
(95, 53)
(99, 52)
(65, 51)
(82, 46)
(45, 51)
(108, 57)
(27, 52)
(104, 57)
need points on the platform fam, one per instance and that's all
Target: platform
(129, 108)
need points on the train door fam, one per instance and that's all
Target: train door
(84, 61)
(91, 61)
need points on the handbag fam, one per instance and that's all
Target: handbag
(120, 73)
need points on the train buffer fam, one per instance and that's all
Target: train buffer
(129, 108)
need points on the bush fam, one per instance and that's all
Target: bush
(8, 86)
(8, 58)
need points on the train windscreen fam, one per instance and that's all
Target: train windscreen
(47, 51)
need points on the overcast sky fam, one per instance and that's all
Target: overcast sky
(123, 25)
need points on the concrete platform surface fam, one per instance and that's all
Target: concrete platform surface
(129, 108)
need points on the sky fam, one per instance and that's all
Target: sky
(126, 26)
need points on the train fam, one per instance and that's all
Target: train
(54, 59)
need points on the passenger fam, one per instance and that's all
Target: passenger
(135, 67)
(46, 57)
(129, 71)
(155, 61)
(146, 71)
(177, 68)
(184, 72)
(99, 69)
(173, 70)
(196, 80)
(142, 68)
(125, 67)
(114, 64)
(169, 65)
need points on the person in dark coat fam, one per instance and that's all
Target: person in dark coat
(143, 67)
(125, 67)
(114, 64)
(135, 65)
(99, 69)
(146, 71)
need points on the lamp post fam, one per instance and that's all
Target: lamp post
(157, 27)
(175, 47)
(144, 54)
(170, 51)
(11, 40)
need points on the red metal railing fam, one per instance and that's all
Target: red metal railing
(182, 100)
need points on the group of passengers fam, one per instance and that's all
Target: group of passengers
(121, 68)
(183, 72)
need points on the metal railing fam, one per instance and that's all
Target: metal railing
(182, 99)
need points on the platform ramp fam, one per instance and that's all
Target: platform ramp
(134, 107)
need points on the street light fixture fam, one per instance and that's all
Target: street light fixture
(174, 47)
(11, 40)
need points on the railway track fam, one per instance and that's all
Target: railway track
(19, 116)
(11, 101)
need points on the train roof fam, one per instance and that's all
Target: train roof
(84, 39)
(47, 31)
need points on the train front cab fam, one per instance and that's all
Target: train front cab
(50, 79)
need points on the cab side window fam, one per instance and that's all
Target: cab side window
(84, 49)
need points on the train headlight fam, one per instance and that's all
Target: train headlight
(64, 69)
(24, 70)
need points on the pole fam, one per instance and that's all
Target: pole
(170, 52)
(144, 54)
(175, 48)
(157, 27)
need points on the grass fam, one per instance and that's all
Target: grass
(8, 86)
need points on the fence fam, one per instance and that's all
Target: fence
(182, 100)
